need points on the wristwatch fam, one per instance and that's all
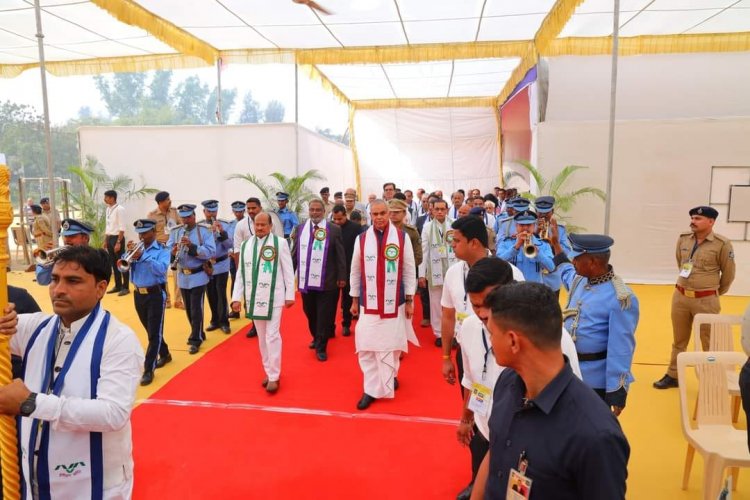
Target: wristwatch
(29, 405)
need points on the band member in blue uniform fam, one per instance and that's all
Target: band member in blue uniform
(505, 224)
(545, 209)
(601, 315)
(217, 283)
(193, 247)
(524, 250)
(73, 232)
(238, 210)
(288, 218)
(148, 272)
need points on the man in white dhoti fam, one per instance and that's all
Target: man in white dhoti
(265, 283)
(383, 276)
(81, 367)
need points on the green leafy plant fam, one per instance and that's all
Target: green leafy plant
(565, 198)
(87, 202)
(296, 187)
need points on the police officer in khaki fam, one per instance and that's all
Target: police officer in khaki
(706, 265)
(166, 219)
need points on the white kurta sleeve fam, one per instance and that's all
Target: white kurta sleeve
(355, 275)
(287, 269)
(410, 269)
(27, 324)
(425, 249)
(239, 284)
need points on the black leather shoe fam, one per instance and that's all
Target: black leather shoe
(395, 383)
(312, 345)
(193, 349)
(212, 327)
(233, 315)
(666, 382)
(365, 402)
(226, 329)
(465, 493)
(163, 360)
(265, 382)
(438, 342)
(122, 292)
(252, 333)
(347, 331)
(114, 290)
(321, 355)
(147, 378)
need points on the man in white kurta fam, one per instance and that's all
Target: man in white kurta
(383, 281)
(81, 367)
(265, 283)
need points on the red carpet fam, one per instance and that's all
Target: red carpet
(253, 451)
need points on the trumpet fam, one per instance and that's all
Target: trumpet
(529, 249)
(181, 249)
(544, 229)
(44, 257)
(123, 265)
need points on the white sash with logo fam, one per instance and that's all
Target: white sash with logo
(441, 255)
(311, 256)
(73, 459)
(382, 271)
(260, 262)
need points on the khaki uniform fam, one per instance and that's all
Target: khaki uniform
(416, 242)
(713, 271)
(162, 223)
(42, 231)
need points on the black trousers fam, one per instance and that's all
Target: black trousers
(460, 370)
(320, 309)
(150, 309)
(217, 299)
(425, 294)
(346, 306)
(479, 448)
(193, 299)
(232, 273)
(122, 280)
(745, 393)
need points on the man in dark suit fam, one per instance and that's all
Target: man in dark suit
(320, 262)
(424, 294)
(349, 232)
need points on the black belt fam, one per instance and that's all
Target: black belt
(194, 270)
(592, 356)
(145, 290)
(219, 259)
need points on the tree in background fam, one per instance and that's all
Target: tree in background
(190, 98)
(274, 112)
(296, 187)
(124, 94)
(343, 138)
(251, 112)
(87, 198)
(227, 103)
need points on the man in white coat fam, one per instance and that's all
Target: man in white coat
(265, 283)
(81, 367)
(383, 275)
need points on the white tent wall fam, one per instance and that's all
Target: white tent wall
(334, 161)
(193, 162)
(438, 148)
(678, 117)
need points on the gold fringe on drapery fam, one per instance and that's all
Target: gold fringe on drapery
(651, 44)
(316, 75)
(437, 102)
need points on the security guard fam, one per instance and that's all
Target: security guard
(217, 283)
(545, 209)
(601, 315)
(706, 264)
(238, 210)
(524, 250)
(148, 273)
(288, 218)
(166, 218)
(193, 247)
(74, 233)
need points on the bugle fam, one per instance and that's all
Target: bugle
(123, 265)
(44, 257)
(529, 249)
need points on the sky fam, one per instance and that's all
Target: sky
(66, 95)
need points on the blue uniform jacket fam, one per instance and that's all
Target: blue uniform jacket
(43, 274)
(201, 249)
(552, 279)
(151, 267)
(224, 243)
(288, 219)
(531, 268)
(599, 322)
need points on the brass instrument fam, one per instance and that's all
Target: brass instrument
(529, 249)
(543, 226)
(44, 257)
(181, 249)
(123, 265)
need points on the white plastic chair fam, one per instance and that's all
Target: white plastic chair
(721, 339)
(714, 437)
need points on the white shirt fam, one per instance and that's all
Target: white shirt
(454, 294)
(115, 221)
(109, 413)
(284, 275)
(242, 231)
(473, 355)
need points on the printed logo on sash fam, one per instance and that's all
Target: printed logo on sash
(320, 234)
(69, 470)
(449, 236)
(268, 253)
(391, 252)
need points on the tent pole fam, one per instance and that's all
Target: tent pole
(296, 119)
(47, 135)
(612, 109)
(219, 117)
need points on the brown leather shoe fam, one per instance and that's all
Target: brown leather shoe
(265, 382)
(666, 382)
(272, 386)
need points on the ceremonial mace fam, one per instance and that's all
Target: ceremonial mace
(8, 436)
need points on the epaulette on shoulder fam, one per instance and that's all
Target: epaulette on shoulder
(721, 238)
(623, 293)
(178, 226)
(205, 226)
(689, 233)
